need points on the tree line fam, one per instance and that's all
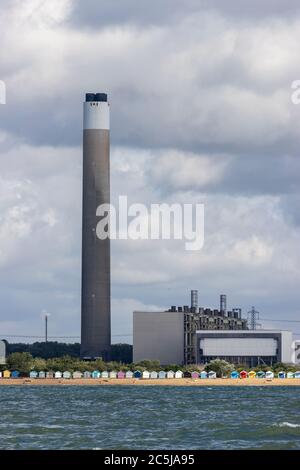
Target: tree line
(24, 362)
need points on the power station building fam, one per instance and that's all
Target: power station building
(95, 290)
(252, 347)
(192, 335)
(170, 336)
(2, 352)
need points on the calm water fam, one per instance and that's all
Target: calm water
(125, 417)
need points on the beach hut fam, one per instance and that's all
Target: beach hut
(67, 374)
(170, 374)
(42, 374)
(58, 375)
(203, 374)
(129, 374)
(104, 374)
(161, 374)
(153, 375)
(87, 374)
(121, 375)
(212, 374)
(96, 374)
(269, 375)
(195, 375)
(234, 374)
(113, 374)
(33, 374)
(243, 374)
(15, 374)
(281, 375)
(297, 374)
(261, 374)
(290, 375)
(50, 374)
(6, 374)
(137, 374)
(252, 374)
(146, 374)
(178, 374)
(77, 374)
(0, 374)
(187, 374)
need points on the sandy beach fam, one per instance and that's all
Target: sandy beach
(151, 382)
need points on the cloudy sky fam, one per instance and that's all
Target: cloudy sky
(201, 111)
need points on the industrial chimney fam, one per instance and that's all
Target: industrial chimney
(95, 291)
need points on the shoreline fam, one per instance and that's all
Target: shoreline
(150, 382)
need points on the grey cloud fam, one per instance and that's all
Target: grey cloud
(180, 78)
(103, 13)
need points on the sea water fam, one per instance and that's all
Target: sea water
(149, 417)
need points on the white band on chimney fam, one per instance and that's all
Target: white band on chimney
(96, 115)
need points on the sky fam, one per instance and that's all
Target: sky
(201, 112)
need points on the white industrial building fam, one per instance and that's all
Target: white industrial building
(250, 347)
(158, 336)
(168, 336)
(2, 352)
(297, 352)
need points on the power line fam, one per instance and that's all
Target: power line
(286, 321)
(53, 337)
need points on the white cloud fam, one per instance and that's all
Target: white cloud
(192, 101)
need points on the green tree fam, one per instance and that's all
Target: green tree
(39, 364)
(148, 365)
(221, 367)
(21, 361)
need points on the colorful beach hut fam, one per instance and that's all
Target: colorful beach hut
(6, 374)
(121, 375)
(195, 375)
(146, 374)
(15, 374)
(104, 374)
(261, 374)
(42, 374)
(153, 375)
(203, 374)
(58, 374)
(113, 374)
(129, 374)
(77, 374)
(243, 374)
(87, 374)
(281, 375)
(50, 374)
(252, 374)
(187, 374)
(137, 374)
(290, 375)
(33, 374)
(170, 374)
(67, 374)
(178, 374)
(297, 374)
(161, 374)
(269, 375)
(96, 374)
(234, 374)
(212, 374)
